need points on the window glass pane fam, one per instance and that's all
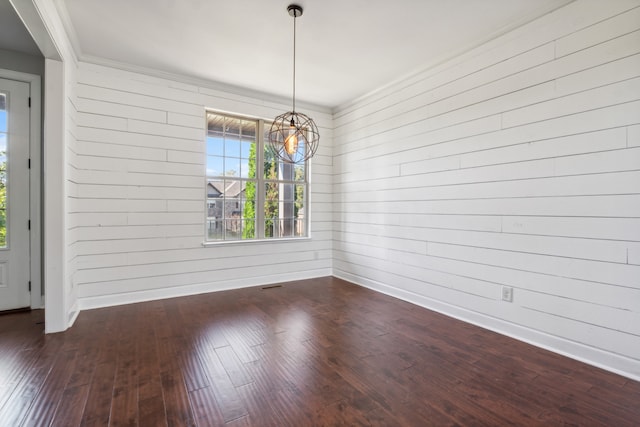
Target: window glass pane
(215, 123)
(230, 213)
(271, 209)
(286, 209)
(232, 126)
(299, 210)
(270, 169)
(270, 165)
(249, 219)
(3, 149)
(245, 149)
(3, 170)
(214, 229)
(248, 210)
(3, 205)
(231, 146)
(232, 166)
(233, 218)
(279, 210)
(302, 146)
(249, 128)
(286, 192)
(215, 193)
(248, 160)
(244, 168)
(285, 171)
(230, 232)
(215, 144)
(215, 165)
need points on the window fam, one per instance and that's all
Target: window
(3, 170)
(250, 194)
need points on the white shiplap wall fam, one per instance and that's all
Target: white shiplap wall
(517, 164)
(137, 220)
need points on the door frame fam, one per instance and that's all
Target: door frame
(35, 154)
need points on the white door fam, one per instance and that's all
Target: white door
(14, 195)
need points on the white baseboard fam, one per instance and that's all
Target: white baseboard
(73, 315)
(87, 303)
(615, 363)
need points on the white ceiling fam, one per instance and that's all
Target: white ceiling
(346, 48)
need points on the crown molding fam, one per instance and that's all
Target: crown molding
(69, 29)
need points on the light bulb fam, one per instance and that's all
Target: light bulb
(291, 142)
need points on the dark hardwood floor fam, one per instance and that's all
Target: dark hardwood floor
(319, 352)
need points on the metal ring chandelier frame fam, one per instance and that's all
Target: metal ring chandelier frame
(294, 136)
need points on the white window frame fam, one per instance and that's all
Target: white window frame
(260, 184)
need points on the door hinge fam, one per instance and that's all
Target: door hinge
(29, 224)
(29, 165)
(29, 102)
(29, 285)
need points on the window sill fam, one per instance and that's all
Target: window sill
(251, 241)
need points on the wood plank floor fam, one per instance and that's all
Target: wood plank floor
(319, 352)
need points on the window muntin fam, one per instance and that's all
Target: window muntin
(250, 194)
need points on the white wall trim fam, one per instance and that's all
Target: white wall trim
(88, 303)
(621, 365)
(73, 314)
(35, 189)
(70, 30)
(56, 315)
(43, 23)
(35, 236)
(32, 19)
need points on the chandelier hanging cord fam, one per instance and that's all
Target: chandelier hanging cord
(293, 9)
(293, 137)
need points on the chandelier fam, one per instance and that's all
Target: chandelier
(294, 136)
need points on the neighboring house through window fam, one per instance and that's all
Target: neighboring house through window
(251, 195)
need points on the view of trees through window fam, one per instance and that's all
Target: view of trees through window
(3, 199)
(278, 195)
(250, 194)
(3, 171)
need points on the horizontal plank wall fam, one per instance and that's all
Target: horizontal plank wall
(138, 218)
(515, 166)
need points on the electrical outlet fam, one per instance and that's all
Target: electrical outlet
(507, 293)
